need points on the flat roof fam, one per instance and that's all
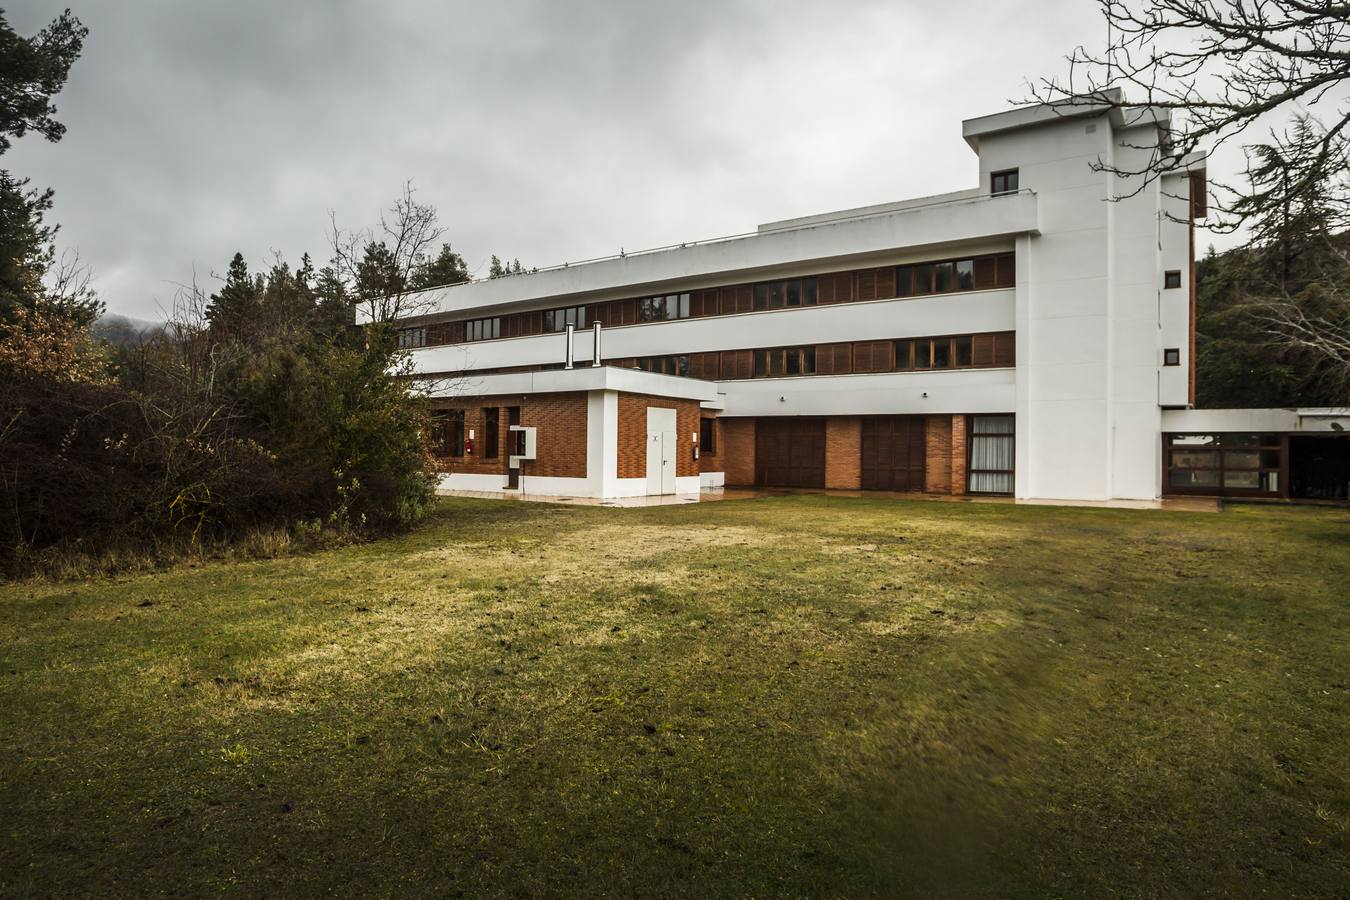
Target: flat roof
(582, 378)
(846, 238)
(1110, 101)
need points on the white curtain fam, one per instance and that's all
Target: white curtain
(991, 447)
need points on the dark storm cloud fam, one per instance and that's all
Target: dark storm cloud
(543, 130)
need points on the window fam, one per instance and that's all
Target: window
(946, 277)
(491, 431)
(707, 436)
(1004, 182)
(1172, 279)
(904, 281)
(1172, 356)
(942, 353)
(659, 309)
(664, 365)
(559, 319)
(447, 432)
(410, 338)
(964, 356)
(904, 354)
(1237, 463)
(923, 279)
(990, 466)
(965, 274)
(781, 294)
(785, 361)
(923, 354)
(483, 329)
(800, 361)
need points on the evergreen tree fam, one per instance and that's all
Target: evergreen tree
(498, 269)
(234, 310)
(447, 268)
(32, 71)
(25, 244)
(333, 317)
(1273, 317)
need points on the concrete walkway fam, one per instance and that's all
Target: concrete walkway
(1182, 504)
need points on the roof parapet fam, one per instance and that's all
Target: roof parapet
(1107, 101)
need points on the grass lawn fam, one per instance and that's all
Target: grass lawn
(793, 695)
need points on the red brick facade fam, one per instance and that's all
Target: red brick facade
(958, 454)
(938, 455)
(633, 434)
(560, 420)
(944, 465)
(738, 451)
(561, 441)
(843, 452)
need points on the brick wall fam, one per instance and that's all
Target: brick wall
(938, 454)
(633, 434)
(843, 452)
(958, 454)
(738, 450)
(560, 436)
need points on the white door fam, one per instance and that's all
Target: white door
(660, 451)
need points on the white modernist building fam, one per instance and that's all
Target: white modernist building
(1030, 336)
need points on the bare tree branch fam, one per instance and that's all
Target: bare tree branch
(1221, 65)
(381, 263)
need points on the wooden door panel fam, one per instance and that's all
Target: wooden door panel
(893, 453)
(790, 452)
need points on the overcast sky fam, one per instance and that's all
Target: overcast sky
(546, 131)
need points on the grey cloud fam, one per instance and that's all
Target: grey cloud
(543, 130)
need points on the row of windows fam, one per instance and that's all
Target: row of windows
(960, 351)
(937, 277)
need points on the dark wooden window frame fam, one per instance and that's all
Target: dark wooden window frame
(779, 293)
(1172, 356)
(1004, 181)
(487, 328)
(779, 360)
(412, 338)
(1172, 279)
(648, 307)
(557, 320)
(971, 434)
(1226, 443)
(707, 435)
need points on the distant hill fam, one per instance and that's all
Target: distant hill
(124, 331)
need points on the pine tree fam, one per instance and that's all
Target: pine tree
(447, 268)
(32, 71)
(234, 310)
